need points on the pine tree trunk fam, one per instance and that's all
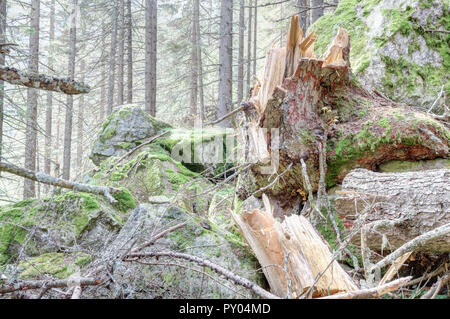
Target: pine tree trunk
(80, 122)
(49, 110)
(32, 97)
(69, 107)
(121, 53)
(2, 64)
(255, 38)
(249, 47)
(317, 10)
(225, 61)
(194, 72)
(112, 58)
(103, 78)
(129, 27)
(241, 51)
(304, 14)
(150, 56)
(199, 58)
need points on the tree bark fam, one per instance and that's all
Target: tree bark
(129, 25)
(121, 53)
(249, 48)
(112, 58)
(150, 56)
(29, 189)
(317, 10)
(49, 109)
(224, 102)
(69, 108)
(255, 37)
(400, 206)
(199, 59)
(2, 64)
(194, 70)
(80, 122)
(241, 51)
(304, 14)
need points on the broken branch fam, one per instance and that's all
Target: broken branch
(44, 82)
(55, 181)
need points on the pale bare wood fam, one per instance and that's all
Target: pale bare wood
(292, 50)
(307, 46)
(273, 76)
(395, 267)
(372, 292)
(292, 255)
(338, 52)
(257, 227)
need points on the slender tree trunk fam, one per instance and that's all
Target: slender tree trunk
(150, 56)
(154, 55)
(49, 111)
(58, 136)
(2, 64)
(255, 36)
(29, 189)
(112, 58)
(241, 51)
(225, 61)
(199, 58)
(69, 107)
(194, 71)
(129, 53)
(80, 121)
(103, 78)
(304, 15)
(121, 53)
(249, 48)
(317, 12)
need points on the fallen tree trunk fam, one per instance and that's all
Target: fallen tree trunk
(44, 82)
(106, 191)
(294, 258)
(303, 98)
(402, 206)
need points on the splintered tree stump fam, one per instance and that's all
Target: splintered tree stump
(402, 205)
(294, 258)
(306, 97)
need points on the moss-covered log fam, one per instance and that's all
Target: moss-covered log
(363, 129)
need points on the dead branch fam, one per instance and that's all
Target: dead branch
(242, 107)
(206, 263)
(149, 141)
(55, 181)
(372, 292)
(436, 288)
(158, 236)
(412, 245)
(44, 82)
(28, 285)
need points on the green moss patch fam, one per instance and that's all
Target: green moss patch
(57, 265)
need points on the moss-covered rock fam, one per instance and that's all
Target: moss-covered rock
(206, 237)
(34, 227)
(393, 46)
(56, 265)
(123, 130)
